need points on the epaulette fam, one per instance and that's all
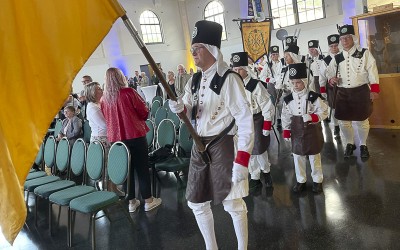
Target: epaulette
(251, 85)
(327, 59)
(359, 54)
(313, 96)
(288, 98)
(339, 58)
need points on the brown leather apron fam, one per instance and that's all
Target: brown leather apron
(316, 85)
(330, 93)
(307, 138)
(261, 142)
(353, 104)
(212, 181)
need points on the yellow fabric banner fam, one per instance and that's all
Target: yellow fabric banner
(256, 38)
(44, 44)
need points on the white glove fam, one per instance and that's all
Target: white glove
(324, 95)
(287, 139)
(239, 173)
(307, 118)
(265, 132)
(176, 106)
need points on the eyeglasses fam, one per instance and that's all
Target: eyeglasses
(85, 81)
(196, 50)
(345, 37)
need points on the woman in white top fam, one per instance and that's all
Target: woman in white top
(97, 122)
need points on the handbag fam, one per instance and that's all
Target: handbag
(161, 154)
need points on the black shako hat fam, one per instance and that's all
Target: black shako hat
(240, 59)
(297, 71)
(291, 40)
(333, 39)
(207, 32)
(274, 49)
(346, 29)
(313, 44)
(293, 48)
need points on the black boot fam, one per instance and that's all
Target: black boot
(268, 180)
(299, 187)
(317, 187)
(349, 150)
(364, 151)
(336, 131)
(327, 120)
(253, 184)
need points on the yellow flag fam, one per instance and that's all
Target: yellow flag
(256, 38)
(43, 45)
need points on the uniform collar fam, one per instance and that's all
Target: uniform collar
(351, 51)
(300, 93)
(210, 72)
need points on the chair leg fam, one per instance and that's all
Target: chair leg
(36, 208)
(50, 215)
(92, 221)
(126, 213)
(70, 228)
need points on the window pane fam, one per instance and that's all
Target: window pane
(150, 26)
(214, 11)
(319, 13)
(302, 17)
(274, 4)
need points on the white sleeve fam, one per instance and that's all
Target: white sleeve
(286, 116)
(331, 70)
(371, 67)
(263, 100)
(187, 98)
(320, 109)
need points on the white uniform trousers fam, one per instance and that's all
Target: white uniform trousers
(300, 168)
(334, 120)
(257, 164)
(361, 128)
(204, 217)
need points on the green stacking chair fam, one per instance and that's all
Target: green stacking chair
(154, 107)
(118, 166)
(166, 105)
(57, 127)
(87, 131)
(161, 114)
(49, 160)
(150, 134)
(77, 168)
(33, 174)
(62, 165)
(174, 118)
(158, 98)
(182, 161)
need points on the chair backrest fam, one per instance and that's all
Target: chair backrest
(154, 107)
(39, 156)
(166, 105)
(166, 133)
(95, 160)
(50, 151)
(157, 98)
(118, 164)
(78, 157)
(87, 131)
(174, 118)
(62, 154)
(185, 140)
(150, 135)
(160, 115)
(57, 127)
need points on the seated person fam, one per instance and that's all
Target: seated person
(71, 126)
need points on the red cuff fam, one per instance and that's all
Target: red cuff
(375, 88)
(286, 133)
(314, 118)
(242, 158)
(267, 125)
(267, 79)
(322, 90)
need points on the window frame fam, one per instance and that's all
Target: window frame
(159, 24)
(224, 32)
(296, 13)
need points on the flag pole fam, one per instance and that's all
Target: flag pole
(132, 29)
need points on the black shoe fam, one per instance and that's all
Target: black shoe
(364, 151)
(253, 184)
(317, 187)
(349, 150)
(299, 187)
(327, 120)
(279, 124)
(268, 180)
(336, 131)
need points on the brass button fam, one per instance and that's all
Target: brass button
(204, 87)
(219, 108)
(202, 95)
(222, 103)
(199, 110)
(216, 113)
(213, 117)
(197, 117)
(201, 102)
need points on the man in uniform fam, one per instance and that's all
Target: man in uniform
(262, 110)
(302, 113)
(326, 89)
(355, 75)
(275, 64)
(315, 65)
(181, 79)
(215, 100)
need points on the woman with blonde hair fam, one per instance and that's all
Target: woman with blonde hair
(125, 113)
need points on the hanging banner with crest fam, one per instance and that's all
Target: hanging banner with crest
(256, 37)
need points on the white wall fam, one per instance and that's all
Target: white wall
(120, 50)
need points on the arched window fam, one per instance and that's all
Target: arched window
(151, 28)
(214, 11)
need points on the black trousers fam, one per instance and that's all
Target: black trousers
(139, 162)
